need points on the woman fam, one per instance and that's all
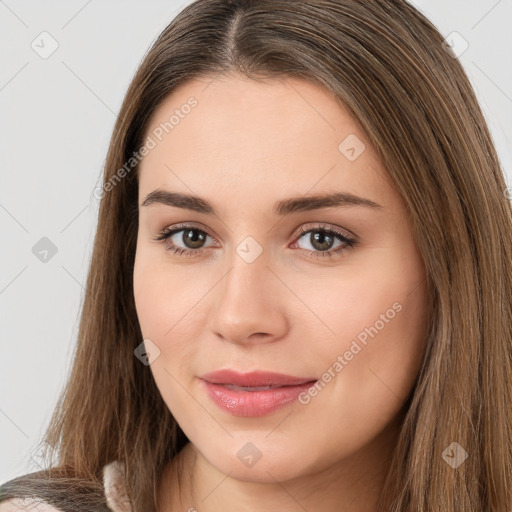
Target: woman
(300, 290)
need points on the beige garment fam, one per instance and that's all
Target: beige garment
(113, 483)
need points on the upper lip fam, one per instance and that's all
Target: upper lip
(254, 379)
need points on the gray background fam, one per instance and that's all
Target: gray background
(57, 115)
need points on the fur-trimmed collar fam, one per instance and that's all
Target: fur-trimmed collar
(115, 487)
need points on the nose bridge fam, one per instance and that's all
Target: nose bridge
(246, 302)
(247, 277)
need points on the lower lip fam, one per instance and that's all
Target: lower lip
(254, 403)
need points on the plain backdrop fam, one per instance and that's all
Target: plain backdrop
(57, 115)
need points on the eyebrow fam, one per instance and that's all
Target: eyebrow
(282, 207)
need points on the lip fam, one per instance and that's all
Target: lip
(221, 387)
(256, 378)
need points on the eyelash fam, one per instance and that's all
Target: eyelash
(163, 236)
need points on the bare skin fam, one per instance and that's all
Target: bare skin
(242, 148)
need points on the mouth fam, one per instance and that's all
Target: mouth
(253, 394)
(254, 380)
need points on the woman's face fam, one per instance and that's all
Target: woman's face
(252, 282)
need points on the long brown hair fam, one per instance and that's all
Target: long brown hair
(386, 63)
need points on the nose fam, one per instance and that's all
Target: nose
(248, 304)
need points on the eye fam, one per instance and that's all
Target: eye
(191, 236)
(321, 239)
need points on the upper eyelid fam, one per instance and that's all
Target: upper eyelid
(322, 225)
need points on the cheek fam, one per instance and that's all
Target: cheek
(162, 292)
(167, 318)
(153, 300)
(376, 318)
(170, 310)
(164, 300)
(376, 337)
(380, 322)
(368, 368)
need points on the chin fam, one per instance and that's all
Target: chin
(244, 461)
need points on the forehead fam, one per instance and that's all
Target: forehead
(286, 136)
(273, 114)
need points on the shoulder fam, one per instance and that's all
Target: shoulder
(52, 490)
